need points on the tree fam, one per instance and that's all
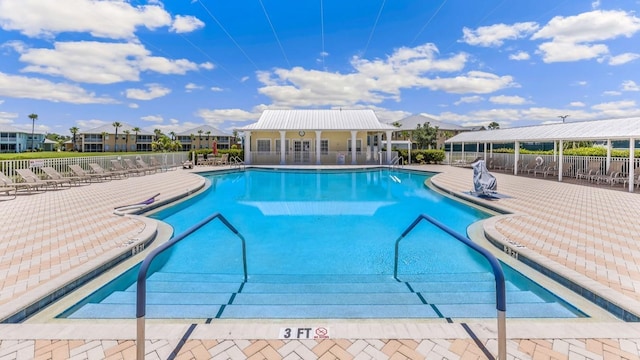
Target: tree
(200, 138)
(116, 125)
(104, 136)
(208, 134)
(173, 135)
(33, 118)
(164, 143)
(136, 130)
(158, 132)
(126, 139)
(493, 125)
(74, 130)
(193, 138)
(426, 136)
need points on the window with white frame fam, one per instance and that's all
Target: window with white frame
(324, 147)
(263, 145)
(286, 146)
(358, 145)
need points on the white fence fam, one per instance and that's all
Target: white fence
(329, 158)
(8, 167)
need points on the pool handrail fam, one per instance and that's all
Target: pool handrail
(141, 293)
(501, 297)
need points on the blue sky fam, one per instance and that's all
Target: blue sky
(178, 64)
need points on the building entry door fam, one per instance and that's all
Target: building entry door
(301, 151)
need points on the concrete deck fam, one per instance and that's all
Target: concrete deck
(586, 234)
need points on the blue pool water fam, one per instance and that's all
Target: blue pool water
(321, 244)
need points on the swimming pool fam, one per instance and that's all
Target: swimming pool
(320, 244)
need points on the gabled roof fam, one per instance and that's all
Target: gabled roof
(214, 131)
(612, 129)
(109, 129)
(13, 129)
(318, 120)
(411, 123)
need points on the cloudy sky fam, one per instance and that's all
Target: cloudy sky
(178, 64)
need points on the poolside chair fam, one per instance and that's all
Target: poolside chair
(590, 172)
(53, 174)
(6, 181)
(144, 166)
(615, 170)
(222, 160)
(30, 177)
(153, 162)
(549, 169)
(87, 176)
(533, 165)
(9, 191)
(97, 169)
(625, 179)
(117, 166)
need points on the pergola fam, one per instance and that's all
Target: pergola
(627, 129)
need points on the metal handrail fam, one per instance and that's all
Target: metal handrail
(501, 298)
(396, 162)
(141, 294)
(236, 161)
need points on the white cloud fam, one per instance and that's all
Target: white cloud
(191, 86)
(623, 58)
(184, 24)
(373, 81)
(581, 83)
(216, 89)
(133, 106)
(40, 89)
(1, 102)
(574, 37)
(100, 63)
(510, 100)
(217, 116)
(153, 91)
(469, 100)
(495, 35)
(623, 108)
(152, 118)
(91, 124)
(244, 78)
(106, 19)
(612, 93)
(521, 55)
(595, 4)
(630, 85)
(577, 104)
(207, 65)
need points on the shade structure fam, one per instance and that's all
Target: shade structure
(215, 147)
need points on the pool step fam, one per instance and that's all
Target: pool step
(321, 296)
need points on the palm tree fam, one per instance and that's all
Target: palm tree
(136, 130)
(200, 138)
(173, 135)
(116, 125)
(193, 138)
(33, 118)
(74, 130)
(126, 139)
(208, 134)
(493, 125)
(104, 136)
(158, 132)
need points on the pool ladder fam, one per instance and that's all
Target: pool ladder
(501, 297)
(141, 293)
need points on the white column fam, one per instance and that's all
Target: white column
(608, 155)
(632, 149)
(491, 150)
(389, 147)
(283, 148)
(247, 147)
(450, 153)
(560, 160)
(318, 152)
(353, 147)
(555, 151)
(484, 150)
(477, 149)
(462, 152)
(516, 147)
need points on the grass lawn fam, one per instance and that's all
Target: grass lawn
(61, 154)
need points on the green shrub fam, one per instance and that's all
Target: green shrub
(426, 156)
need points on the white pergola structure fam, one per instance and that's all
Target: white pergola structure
(627, 129)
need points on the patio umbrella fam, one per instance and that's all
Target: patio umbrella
(215, 148)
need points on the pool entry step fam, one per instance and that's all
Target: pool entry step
(458, 295)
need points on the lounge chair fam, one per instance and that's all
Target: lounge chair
(615, 170)
(154, 163)
(53, 174)
(533, 165)
(144, 166)
(86, 176)
(625, 179)
(591, 172)
(30, 177)
(222, 160)
(117, 166)
(6, 181)
(97, 169)
(549, 169)
(9, 191)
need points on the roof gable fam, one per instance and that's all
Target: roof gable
(318, 120)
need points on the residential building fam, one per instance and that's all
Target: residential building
(316, 137)
(409, 124)
(102, 139)
(14, 140)
(202, 137)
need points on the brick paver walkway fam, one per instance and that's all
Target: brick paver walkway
(585, 233)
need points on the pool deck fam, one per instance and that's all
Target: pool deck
(589, 235)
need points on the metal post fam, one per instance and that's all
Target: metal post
(502, 335)
(140, 338)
